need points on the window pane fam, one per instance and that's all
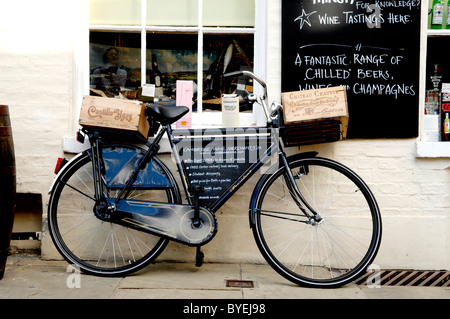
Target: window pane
(115, 12)
(176, 57)
(172, 12)
(224, 54)
(230, 13)
(114, 62)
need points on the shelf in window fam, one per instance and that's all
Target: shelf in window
(438, 32)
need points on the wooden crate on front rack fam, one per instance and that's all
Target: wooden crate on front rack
(314, 116)
(114, 115)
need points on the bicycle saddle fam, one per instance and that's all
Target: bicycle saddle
(167, 114)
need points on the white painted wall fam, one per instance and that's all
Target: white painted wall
(38, 61)
(36, 82)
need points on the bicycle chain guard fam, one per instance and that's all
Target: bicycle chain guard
(174, 221)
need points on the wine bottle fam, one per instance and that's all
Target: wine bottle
(156, 74)
(156, 77)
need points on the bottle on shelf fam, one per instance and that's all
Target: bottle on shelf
(432, 99)
(447, 26)
(446, 125)
(432, 102)
(437, 17)
(445, 113)
(436, 76)
(156, 77)
(156, 74)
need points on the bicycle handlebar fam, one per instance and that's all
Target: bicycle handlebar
(246, 73)
(233, 74)
(275, 107)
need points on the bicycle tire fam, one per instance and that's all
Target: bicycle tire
(99, 247)
(327, 253)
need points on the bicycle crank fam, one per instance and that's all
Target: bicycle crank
(175, 221)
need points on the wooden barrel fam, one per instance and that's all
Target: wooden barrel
(7, 185)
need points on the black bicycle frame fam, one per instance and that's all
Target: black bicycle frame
(274, 148)
(97, 165)
(153, 149)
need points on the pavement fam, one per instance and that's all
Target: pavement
(30, 277)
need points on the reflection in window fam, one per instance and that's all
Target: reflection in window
(227, 53)
(176, 58)
(115, 64)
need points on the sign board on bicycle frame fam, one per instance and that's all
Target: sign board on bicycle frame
(314, 104)
(114, 114)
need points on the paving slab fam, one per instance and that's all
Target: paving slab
(181, 281)
(272, 286)
(29, 277)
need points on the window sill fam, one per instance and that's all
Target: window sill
(430, 146)
(432, 149)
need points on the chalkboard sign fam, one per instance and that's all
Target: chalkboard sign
(215, 158)
(371, 47)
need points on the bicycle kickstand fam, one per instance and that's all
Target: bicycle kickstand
(196, 222)
(199, 255)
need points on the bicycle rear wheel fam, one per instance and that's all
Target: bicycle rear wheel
(320, 253)
(97, 246)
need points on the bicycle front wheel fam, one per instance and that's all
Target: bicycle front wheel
(326, 252)
(97, 246)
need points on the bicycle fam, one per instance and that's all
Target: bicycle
(114, 207)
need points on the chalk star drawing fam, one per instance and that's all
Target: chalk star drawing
(304, 18)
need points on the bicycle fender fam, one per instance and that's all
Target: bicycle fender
(273, 169)
(301, 156)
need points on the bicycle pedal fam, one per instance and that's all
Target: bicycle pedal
(196, 190)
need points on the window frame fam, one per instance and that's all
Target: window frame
(424, 148)
(81, 51)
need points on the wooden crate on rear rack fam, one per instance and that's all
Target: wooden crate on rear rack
(314, 116)
(114, 115)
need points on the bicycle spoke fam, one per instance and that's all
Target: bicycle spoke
(275, 214)
(329, 250)
(91, 241)
(79, 191)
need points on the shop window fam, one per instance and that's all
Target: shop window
(130, 39)
(115, 65)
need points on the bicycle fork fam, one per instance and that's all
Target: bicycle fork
(101, 206)
(301, 202)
